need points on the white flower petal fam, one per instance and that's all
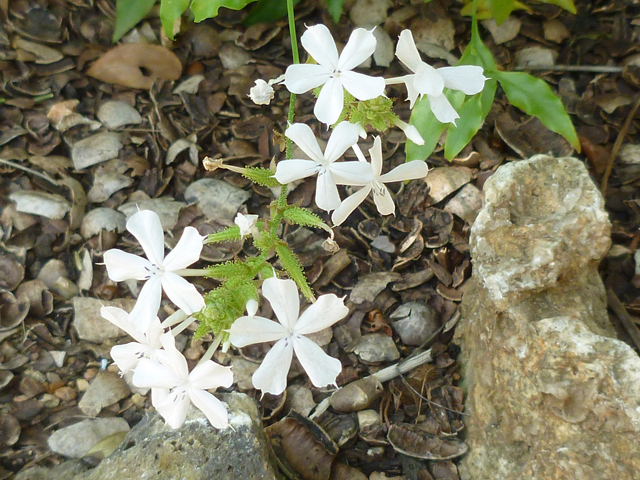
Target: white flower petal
(302, 135)
(327, 196)
(361, 86)
(360, 46)
(466, 78)
(344, 135)
(128, 355)
(348, 205)
(146, 227)
(174, 407)
(289, 170)
(407, 52)
(428, 81)
(442, 109)
(406, 171)
(384, 202)
(148, 303)
(322, 369)
(330, 102)
(209, 375)
(326, 311)
(184, 294)
(186, 252)
(271, 376)
(351, 173)
(126, 266)
(252, 307)
(261, 93)
(171, 358)
(411, 132)
(213, 408)
(120, 318)
(412, 93)
(301, 78)
(251, 330)
(375, 152)
(319, 43)
(152, 374)
(246, 223)
(284, 300)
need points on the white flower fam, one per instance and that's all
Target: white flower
(262, 93)
(381, 195)
(271, 376)
(330, 173)
(174, 388)
(410, 131)
(247, 224)
(146, 333)
(161, 273)
(431, 82)
(333, 71)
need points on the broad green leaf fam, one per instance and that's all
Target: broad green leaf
(170, 11)
(500, 9)
(291, 264)
(484, 12)
(533, 96)
(128, 14)
(472, 115)
(107, 445)
(229, 234)
(335, 9)
(428, 126)
(477, 53)
(267, 11)
(303, 217)
(203, 9)
(261, 176)
(568, 5)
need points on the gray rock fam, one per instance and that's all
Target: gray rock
(167, 209)
(414, 322)
(102, 219)
(95, 149)
(196, 451)
(76, 440)
(89, 323)
(64, 471)
(115, 114)
(551, 394)
(106, 389)
(48, 205)
(370, 285)
(376, 348)
(217, 199)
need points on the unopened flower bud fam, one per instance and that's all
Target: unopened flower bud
(262, 93)
(247, 224)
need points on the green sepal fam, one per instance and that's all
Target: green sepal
(291, 265)
(534, 97)
(261, 176)
(203, 9)
(170, 11)
(128, 14)
(303, 217)
(377, 112)
(229, 234)
(472, 115)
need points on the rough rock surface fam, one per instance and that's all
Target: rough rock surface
(196, 451)
(551, 393)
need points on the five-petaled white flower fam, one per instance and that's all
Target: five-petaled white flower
(146, 333)
(174, 388)
(330, 173)
(333, 71)
(271, 376)
(247, 224)
(381, 195)
(161, 273)
(431, 82)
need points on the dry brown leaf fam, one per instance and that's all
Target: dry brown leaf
(136, 65)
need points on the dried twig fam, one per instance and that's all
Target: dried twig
(623, 316)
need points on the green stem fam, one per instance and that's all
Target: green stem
(296, 59)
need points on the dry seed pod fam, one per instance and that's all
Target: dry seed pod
(411, 440)
(357, 395)
(341, 428)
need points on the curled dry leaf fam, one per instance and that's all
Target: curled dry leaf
(302, 448)
(11, 271)
(9, 430)
(12, 311)
(39, 297)
(415, 442)
(136, 65)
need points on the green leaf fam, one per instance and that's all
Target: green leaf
(203, 9)
(291, 264)
(533, 96)
(428, 126)
(128, 14)
(477, 53)
(500, 9)
(335, 9)
(472, 115)
(304, 218)
(170, 11)
(229, 234)
(568, 5)
(261, 176)
(267, 11)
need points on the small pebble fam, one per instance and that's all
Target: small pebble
(376, 348)
(66, 394)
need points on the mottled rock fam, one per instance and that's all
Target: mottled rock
(196, 451)
(95, 149)
(167, 209)
(551, 394)
(102, 219)
(376, 348)
(76, 440)
(106, 389)
(116, 114)
(34, 202)
(217, 199)
(89, 323)
(415, 322)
